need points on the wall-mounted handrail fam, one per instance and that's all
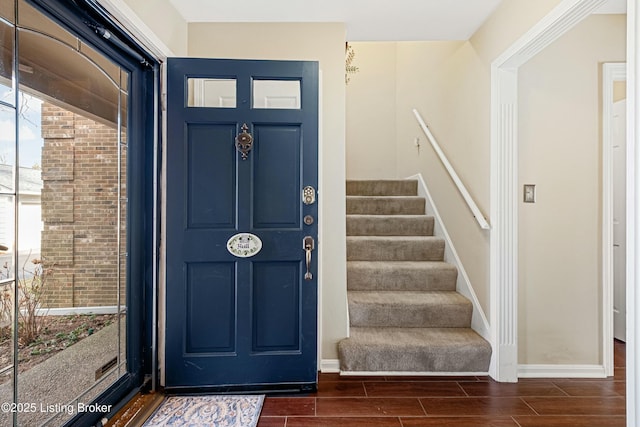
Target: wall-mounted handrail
(452, 173)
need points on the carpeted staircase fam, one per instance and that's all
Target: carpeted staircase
(405, 313)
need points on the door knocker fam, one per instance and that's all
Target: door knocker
(244, 141)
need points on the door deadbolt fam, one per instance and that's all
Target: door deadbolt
(308, 219)
(308, 195)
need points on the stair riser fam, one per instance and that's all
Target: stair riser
(423, 359)
(382, 188)
(370, 225)
(385, 206)
(449, 316)
(414, 350)
(427, 249)
(401, 279)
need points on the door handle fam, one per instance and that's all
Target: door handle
(308, 244)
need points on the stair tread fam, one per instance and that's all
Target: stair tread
(377, 186)
(385, 205)
(389, 225)
(408, 298)
(381, 217)
(414, 265)
(390, 180)
(416, 337)
(401, 275)
(396, 238)
(395, 248)
(386, 196)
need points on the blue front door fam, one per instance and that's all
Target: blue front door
(242, 146)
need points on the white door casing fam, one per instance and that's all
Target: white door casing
(618, 148)
(611, 73)
(504, 177)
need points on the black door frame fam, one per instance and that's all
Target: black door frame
(88, 20)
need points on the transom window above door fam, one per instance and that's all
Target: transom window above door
(222, 93)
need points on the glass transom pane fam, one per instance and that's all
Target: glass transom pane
(276, 94)
(212, 93)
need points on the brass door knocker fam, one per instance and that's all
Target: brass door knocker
(244, 141)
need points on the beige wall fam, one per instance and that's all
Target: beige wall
(437, 79)
(510, 21)
(560, 246)
(619, 91)
(323, 43)
(165, 22)
(371, 110)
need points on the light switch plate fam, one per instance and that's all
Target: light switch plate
(529, 193)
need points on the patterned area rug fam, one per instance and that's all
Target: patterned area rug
(207, 411)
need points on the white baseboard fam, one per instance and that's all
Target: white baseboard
(332, 366)
(66, 311)
(561, 371)
(329, 366)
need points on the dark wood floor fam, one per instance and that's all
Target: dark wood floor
(454, 401)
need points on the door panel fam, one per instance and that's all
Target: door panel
(210, 289)
(277, 144)
(234, 321)
(276, 329)
(211, 206)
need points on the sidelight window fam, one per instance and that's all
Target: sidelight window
(65, 214)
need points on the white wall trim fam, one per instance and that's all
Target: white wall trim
(320, 282)
(560, 20)
(479, 322)
(504, 178)
(633, 211)
(561, 371)
(330, 366)
(503, 268)
(611, 72)
(137, 29)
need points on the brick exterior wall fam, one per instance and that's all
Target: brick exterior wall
(79, 210)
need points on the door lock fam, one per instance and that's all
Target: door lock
(308, 244)
(308, 195)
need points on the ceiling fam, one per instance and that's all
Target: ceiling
(366, 20)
